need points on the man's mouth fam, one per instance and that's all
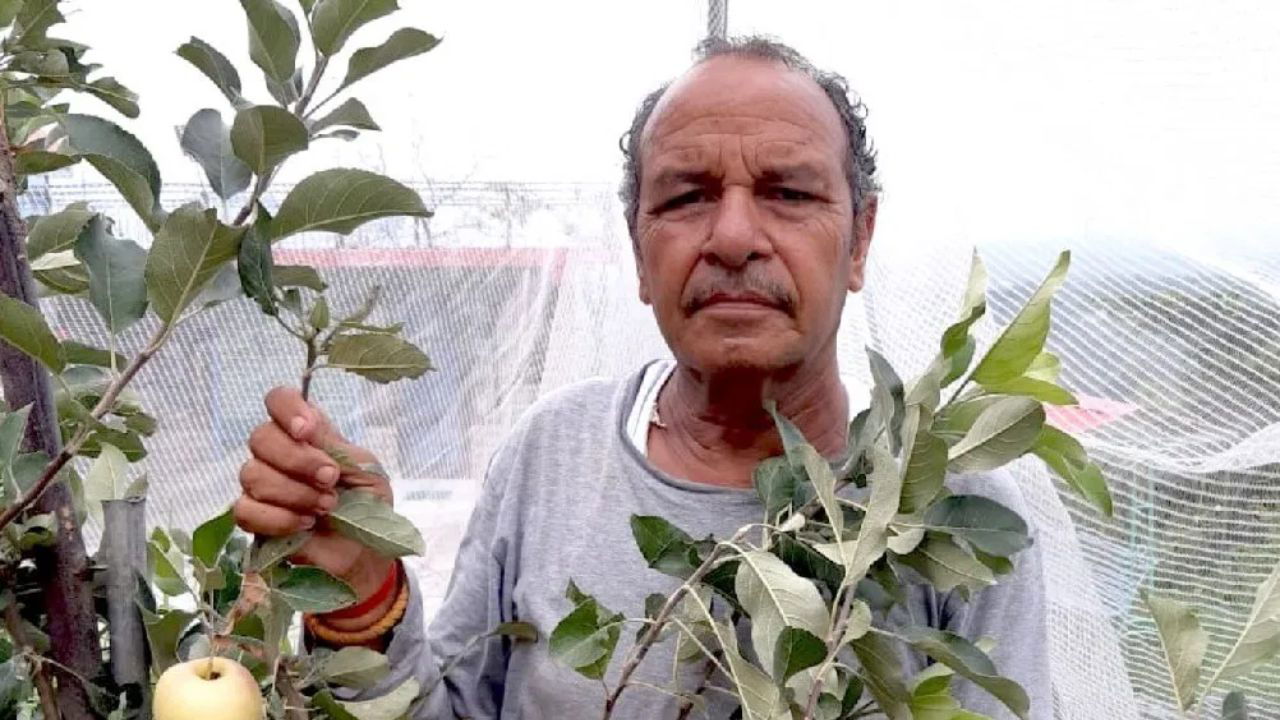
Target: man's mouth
(730, 301)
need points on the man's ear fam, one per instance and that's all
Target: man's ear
(864, 226)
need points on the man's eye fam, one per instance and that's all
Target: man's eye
(687, 198)
(788, 194)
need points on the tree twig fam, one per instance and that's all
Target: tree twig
(105, 403)
(641, 648)
(44, 688)
(709, 669)
(295, 705)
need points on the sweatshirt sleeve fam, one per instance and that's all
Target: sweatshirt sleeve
(1013, 612)
(460, 672)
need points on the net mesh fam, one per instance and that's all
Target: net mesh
(515, 290)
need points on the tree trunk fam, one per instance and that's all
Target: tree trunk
(63, 568)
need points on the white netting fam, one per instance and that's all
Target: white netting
(519, 289)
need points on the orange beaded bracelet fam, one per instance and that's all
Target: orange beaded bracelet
(332, 636)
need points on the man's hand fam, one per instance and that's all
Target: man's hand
(291, 483)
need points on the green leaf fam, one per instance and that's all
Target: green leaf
(309, 589)
(931, 700)
(35, 162)
(165, 562)
(1259, 640)
(120, 157)
(586, 638)
(666, 548)
(255, 264)
(298, 276)
(108, 479)
(12, 428)
(775, 485)
(518, 631)
(215, 66)
(1067, 457)
(887, 406)
(969, 661)
(377, 357)
(117, 288)
(66, 281)
(808, 563)
(392, 706)
(78, 353)
(761, 698)
(1021, 342)
(58, 232)
(273, 550)
(775, 597)
(873, 534)
(925, 461)
(1235, 706)
(824, 484)
(1006, 430)
(859, 622)
(23, 327)
(983, 523)
(340, 200)
(882, 675)
(1183, 642)
(273, 38)
(333, 21)
(32, 22)
(127, 441)
(796, 650)
(8, 11)
(55, 261)
(1046, 367)
(355, 667)
(264, 135)
(212, 535)
(319, 318)
(351, 113)
(403, 43)
(346, 134)
(114, 93)
(365, 517)
(947, 566)
(1034, 388)
(188, 250)
(164, 630)
(958, 345)
(207, 140)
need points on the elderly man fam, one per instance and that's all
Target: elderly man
(751, 201)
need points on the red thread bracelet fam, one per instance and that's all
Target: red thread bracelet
(388, 588)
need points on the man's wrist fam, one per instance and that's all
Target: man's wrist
(370, 584)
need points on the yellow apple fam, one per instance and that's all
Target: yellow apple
(208, 689)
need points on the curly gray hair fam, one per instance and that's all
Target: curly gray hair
(860, 160)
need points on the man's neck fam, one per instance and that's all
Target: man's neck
(715, 429)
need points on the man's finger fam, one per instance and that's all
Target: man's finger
(264, 483)
(302, 421)
(263, 519)
(301, 461)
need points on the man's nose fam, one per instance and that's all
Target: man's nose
(736, 236)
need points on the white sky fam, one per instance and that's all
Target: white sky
(995, 120)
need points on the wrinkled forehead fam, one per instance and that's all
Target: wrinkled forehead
(744, 96)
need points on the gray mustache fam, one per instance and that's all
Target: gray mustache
(773, 292)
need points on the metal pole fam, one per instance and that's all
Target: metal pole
(124, 551)
(717, 19)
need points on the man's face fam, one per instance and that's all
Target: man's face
(746, 239)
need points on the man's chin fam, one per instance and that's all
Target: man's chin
(740, 357)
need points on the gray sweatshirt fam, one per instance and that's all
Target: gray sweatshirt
(556, 505)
